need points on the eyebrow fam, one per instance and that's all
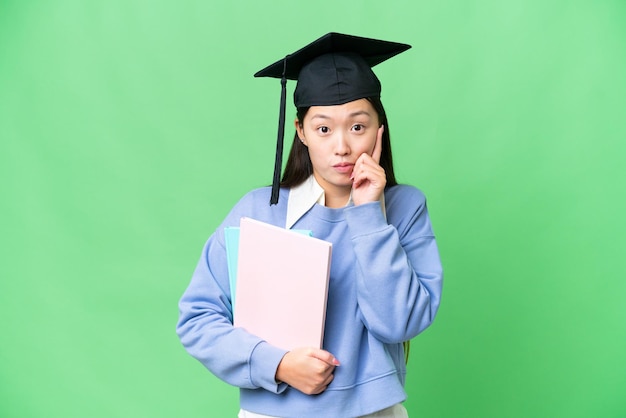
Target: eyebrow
(351, 115)
(319, 116)
(359, 113)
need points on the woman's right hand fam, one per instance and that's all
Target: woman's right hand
(310, 370)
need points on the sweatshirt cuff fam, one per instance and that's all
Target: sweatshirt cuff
(365, 219)
(263, 365)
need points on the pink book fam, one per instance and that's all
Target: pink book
(282, 285)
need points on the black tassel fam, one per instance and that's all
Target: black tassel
(278, 162)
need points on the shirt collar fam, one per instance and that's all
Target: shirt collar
(305, 195)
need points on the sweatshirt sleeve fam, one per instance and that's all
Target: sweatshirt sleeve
(399, 273)
(206, 330)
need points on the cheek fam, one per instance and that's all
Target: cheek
(367, 146)
(315, 153)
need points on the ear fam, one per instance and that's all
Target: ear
(300, 131)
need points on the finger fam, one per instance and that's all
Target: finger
(323, 385)
(368, 170)
(378, 146)
(327, 381)
(324, 356)
(364, 160)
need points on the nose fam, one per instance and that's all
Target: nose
(341, 145)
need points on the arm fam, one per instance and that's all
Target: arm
(399, 275)
(235, 356)
(205, 327)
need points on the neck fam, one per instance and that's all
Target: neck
(336, 200)
(335, 196)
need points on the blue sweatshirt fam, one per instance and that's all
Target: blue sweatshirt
(385, 288)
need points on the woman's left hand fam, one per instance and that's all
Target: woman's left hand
(368, 177)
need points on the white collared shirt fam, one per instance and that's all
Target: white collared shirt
(304, 196)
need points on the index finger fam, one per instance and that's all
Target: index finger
(324, 356)
(378, 146)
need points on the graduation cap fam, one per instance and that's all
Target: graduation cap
(332, 70)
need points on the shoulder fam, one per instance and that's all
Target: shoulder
(404, 196)
(255, 196)
(256, 204)
(406, 210)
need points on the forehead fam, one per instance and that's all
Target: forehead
(356, 108)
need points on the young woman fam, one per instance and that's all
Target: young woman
(385, 278)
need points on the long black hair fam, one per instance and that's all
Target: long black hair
(299, 167)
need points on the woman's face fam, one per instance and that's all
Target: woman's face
(336, 136)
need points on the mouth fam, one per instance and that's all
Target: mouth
(344, 167)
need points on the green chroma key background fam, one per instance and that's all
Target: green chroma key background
(129, 128)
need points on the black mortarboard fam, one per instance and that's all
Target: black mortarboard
(332, 70)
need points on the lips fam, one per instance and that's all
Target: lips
(344, 167)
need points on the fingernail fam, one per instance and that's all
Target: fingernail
(335, 362)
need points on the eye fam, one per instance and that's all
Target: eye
(323, 129)
(358, 127)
